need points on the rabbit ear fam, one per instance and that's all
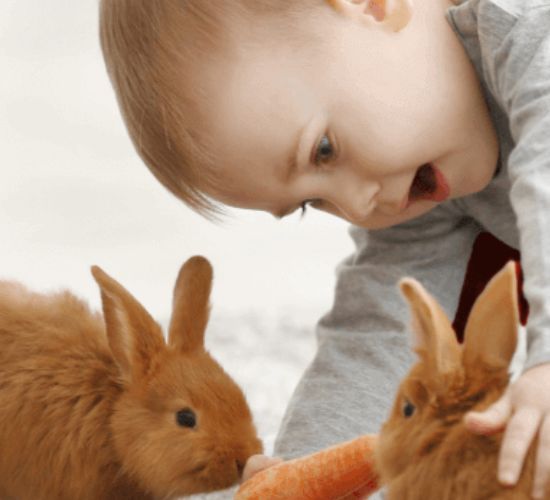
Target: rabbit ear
(433, 335)
(191, 307)
(133, 335)
(490, 336)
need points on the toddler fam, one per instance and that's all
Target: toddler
(420, 122)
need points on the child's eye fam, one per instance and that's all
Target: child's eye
(324, 151)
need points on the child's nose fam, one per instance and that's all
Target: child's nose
(356, 200)
(394, 197)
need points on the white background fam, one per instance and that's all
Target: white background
(73, 192)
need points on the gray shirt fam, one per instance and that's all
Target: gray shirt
(363, 344)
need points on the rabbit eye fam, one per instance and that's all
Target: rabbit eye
(408, 409)
(186, 418)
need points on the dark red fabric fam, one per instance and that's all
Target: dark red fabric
(489, 255)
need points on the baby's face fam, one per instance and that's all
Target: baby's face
(373, 126)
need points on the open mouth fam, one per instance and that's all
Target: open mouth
(429, 184)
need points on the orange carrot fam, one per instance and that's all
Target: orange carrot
(333, 473)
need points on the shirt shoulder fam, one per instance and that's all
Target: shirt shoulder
(515, 8)
(493, 19)
(486, 21)
(502, 37)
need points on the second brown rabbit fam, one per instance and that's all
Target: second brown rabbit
(425, 452)
(101, 407)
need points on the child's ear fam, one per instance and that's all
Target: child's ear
(191, 307)
(376, 12)
(433, 336)
(133, 335)
(490, 336)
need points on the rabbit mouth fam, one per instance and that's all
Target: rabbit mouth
(210, 478)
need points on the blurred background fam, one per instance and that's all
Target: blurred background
(73, 193)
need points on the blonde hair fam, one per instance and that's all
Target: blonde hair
(154, 51)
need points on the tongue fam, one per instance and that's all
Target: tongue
(429, 184)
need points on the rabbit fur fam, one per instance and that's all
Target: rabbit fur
(424, 451)
(100, 407)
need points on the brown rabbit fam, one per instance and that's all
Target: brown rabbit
(96, 407)
(425, 451)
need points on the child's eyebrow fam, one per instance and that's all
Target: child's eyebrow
(288, 171)
(297, 152)
(293, 162)
(293, 159)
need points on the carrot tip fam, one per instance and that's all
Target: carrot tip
(336, 472)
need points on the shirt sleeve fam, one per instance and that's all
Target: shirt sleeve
(363, 343)
(520, 77)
